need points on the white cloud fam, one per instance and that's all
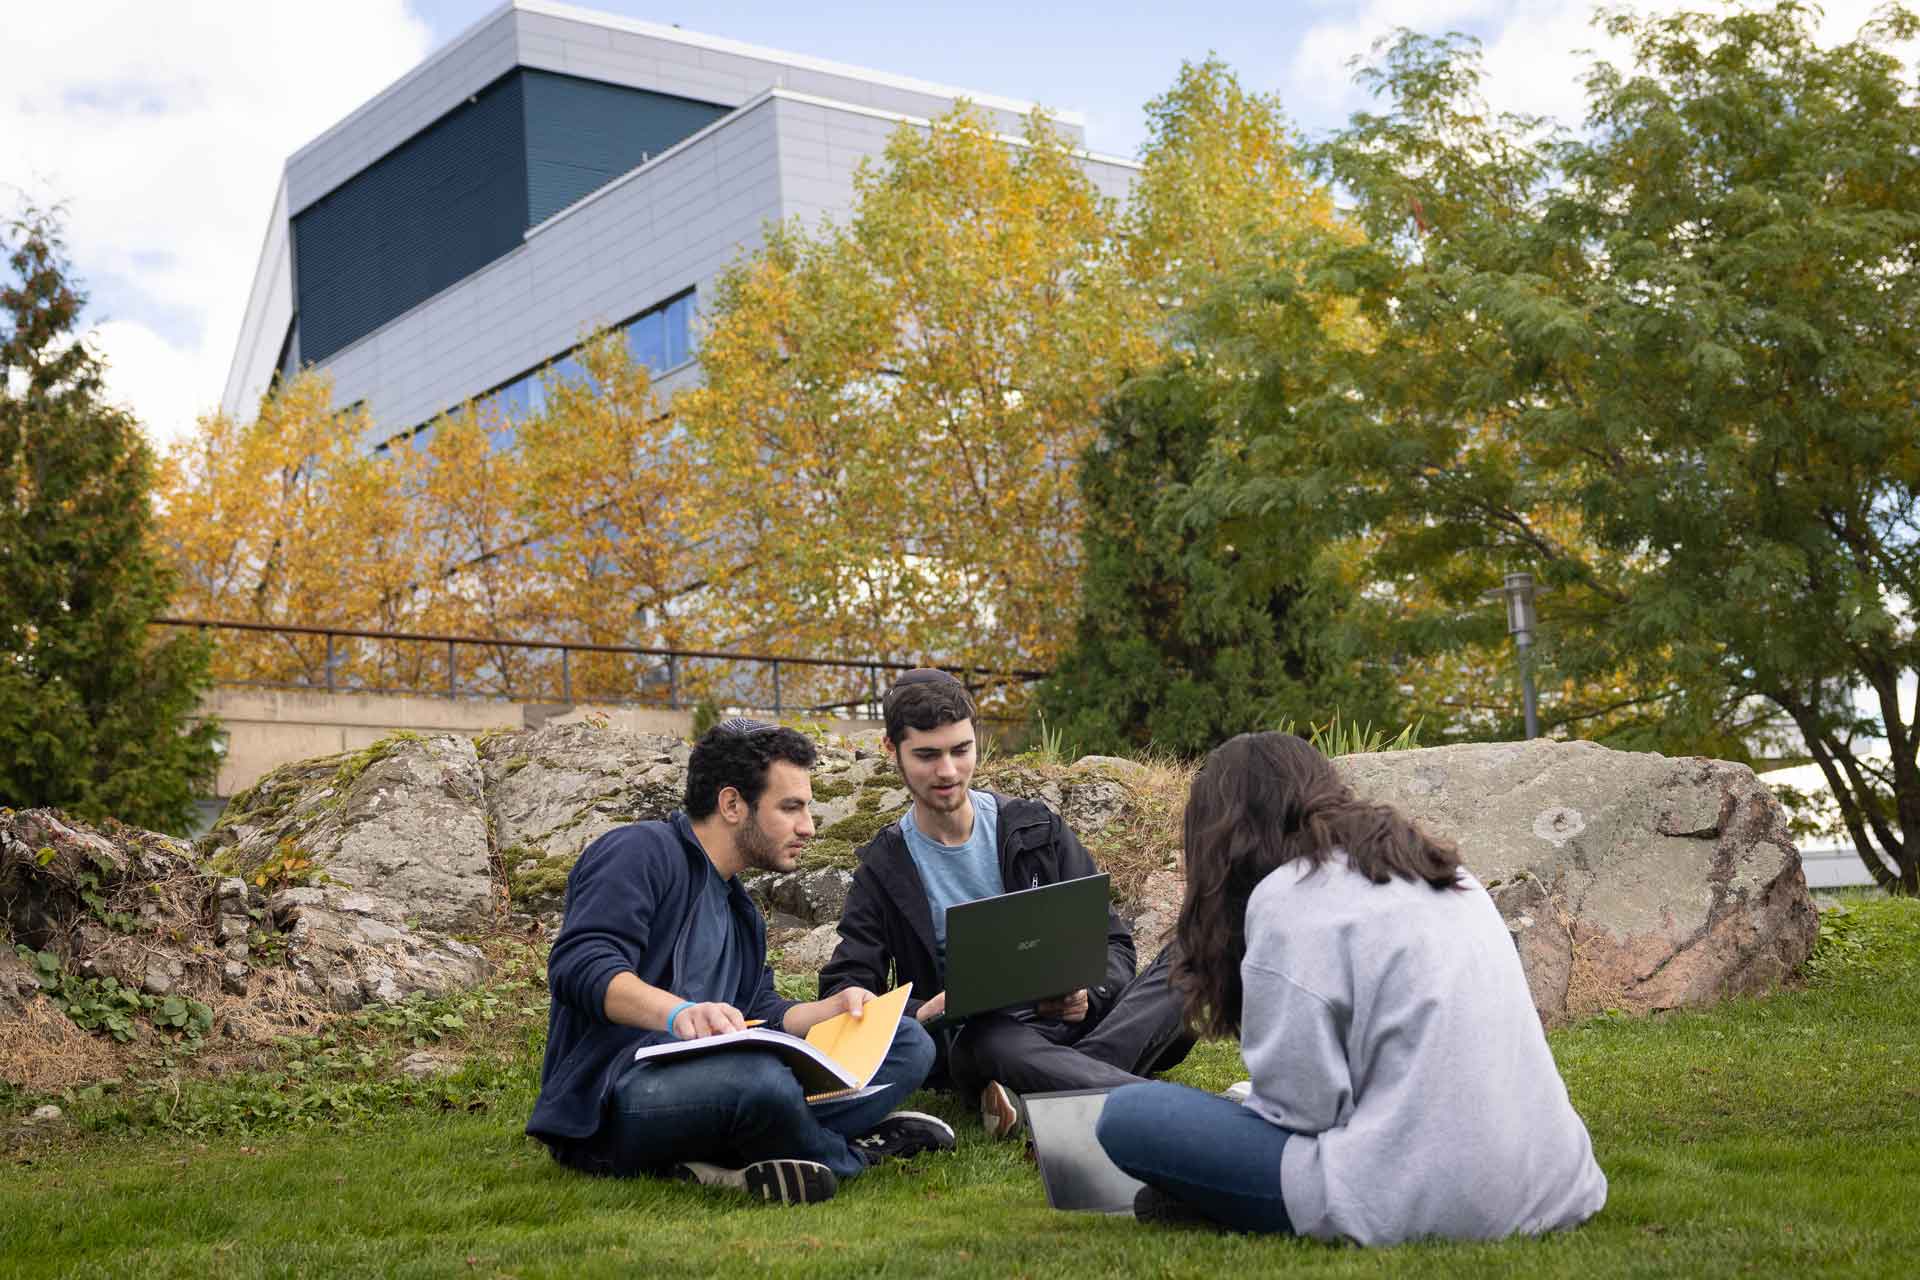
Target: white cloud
(1530, 46)
(163, 128)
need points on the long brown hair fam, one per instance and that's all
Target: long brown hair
(1263, 799)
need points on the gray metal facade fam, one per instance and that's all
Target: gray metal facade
(784, 139)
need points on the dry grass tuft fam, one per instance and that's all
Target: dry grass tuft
(42, 1051)
(1146, 838)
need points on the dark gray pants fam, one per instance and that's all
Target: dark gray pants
(1142, 1032)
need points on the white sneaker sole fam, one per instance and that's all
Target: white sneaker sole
(785, 1181)
(937, 1136)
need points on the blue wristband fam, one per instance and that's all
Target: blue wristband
(677, 1009)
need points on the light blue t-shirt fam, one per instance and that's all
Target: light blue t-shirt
(956, 873)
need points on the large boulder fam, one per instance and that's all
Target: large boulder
(348, 949)
(396, 858)
(404, 821)
(1630, 881)
(554, 790)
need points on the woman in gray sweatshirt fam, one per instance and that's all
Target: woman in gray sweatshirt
(1402, 1087)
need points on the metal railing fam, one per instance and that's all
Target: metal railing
(664, 681)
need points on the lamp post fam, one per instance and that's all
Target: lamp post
(1518, 592)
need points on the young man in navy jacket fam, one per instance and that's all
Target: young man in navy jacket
(956, 844)
(660, 943)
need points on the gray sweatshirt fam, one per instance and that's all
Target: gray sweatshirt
(1390, 1027)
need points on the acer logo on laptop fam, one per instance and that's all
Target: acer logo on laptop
(1028, 945)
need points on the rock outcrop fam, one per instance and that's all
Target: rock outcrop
(1630, 881)
(553, 791)
(403, 821)
(122, 903)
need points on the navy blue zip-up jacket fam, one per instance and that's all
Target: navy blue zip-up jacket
(629, 898)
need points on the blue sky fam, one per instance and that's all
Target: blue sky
(163, 126)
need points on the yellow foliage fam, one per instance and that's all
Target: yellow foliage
(898, 406)
(285, 520)
(880, 463)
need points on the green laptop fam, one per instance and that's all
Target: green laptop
(1019, 947)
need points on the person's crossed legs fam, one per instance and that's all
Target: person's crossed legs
(745, 1106)
(1143, 1032)
(1211, 1154)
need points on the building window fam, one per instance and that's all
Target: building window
(661, 337)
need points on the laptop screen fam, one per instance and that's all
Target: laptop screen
(1073, 1165)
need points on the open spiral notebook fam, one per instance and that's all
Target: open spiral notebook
(835, 1061)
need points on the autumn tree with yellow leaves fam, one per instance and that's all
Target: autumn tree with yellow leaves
(586, 531)
(623, 507)
(881, 462)
(286, 519)
(894, 408)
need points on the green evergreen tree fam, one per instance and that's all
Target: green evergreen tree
(93, 706)
(1195, 625)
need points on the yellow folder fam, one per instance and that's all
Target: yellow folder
(860, 1044)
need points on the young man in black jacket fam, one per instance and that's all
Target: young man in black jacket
(954, 845)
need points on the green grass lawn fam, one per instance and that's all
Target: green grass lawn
(1767, 1137)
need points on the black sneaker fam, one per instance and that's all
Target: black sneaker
(904, 1134)
(787, 1181)
(1151, 1204)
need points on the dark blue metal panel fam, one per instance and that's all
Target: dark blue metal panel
(461, 192)
(435, 209)
(582, 134)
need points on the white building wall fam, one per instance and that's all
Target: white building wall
(598, 46)
(263, 327)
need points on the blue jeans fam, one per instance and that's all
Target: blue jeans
(739, 1107)
(1210, 1153)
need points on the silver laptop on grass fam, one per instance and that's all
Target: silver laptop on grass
(1073, 1165)
(1024, 946)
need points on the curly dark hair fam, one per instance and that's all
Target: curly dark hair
(727, 756)
(1261, 800)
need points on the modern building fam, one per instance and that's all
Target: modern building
(550, 171)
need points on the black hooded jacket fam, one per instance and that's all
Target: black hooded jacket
(886, 928)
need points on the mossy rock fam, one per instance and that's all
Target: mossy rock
(833, 788)
(355, 763)
(546, 878)
(859, 827)
(822, 851)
